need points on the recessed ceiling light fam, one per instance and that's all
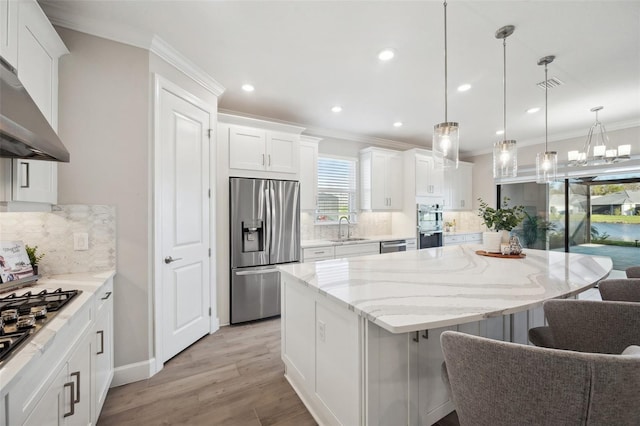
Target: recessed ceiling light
(533, 110)
(500, 132)
(336, 108)
(464, 87)
(397, 124)
(386, 54)
(248, 88)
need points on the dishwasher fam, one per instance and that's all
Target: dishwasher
(393, 246)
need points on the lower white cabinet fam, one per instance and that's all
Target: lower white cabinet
(318, 253)
(103, 348)
(68, 399)
(457, 239)
(68, 382)
(314, 254)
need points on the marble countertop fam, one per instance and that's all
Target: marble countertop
(431, 288)
(88, 282)
(369, 239)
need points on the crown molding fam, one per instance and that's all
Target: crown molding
(165, 51)
(133, 37)
(346, 136)
(237, 118)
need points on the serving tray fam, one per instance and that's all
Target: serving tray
(506, 256)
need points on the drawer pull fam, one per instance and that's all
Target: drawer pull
(72, 408)
(77, 376)
(101, 333)
(106, 295)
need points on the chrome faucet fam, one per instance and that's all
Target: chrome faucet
(340, 227)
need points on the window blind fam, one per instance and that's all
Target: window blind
(336, 189)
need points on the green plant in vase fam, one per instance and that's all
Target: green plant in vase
(34, 257)
(503, 219)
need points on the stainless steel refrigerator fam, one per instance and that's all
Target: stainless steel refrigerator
(264, 225)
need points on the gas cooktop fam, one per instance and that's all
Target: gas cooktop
(23, 315)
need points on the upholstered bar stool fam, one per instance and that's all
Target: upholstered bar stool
(633, 272)
(589, 326)
(624, 290)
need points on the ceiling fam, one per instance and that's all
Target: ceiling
(304, 57)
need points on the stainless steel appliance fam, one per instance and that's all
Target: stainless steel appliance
(22, 316)
(264, 231)
(429, 220)
(393, 246)
(24, 131)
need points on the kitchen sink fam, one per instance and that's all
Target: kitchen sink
(346, 240)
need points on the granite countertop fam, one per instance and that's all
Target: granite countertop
(369, 239)
(88, 282)
(431, 288)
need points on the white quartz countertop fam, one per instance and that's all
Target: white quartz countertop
(88, 282)
(369, 239)
(437, 287)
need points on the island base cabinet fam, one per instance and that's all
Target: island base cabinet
(321, 353)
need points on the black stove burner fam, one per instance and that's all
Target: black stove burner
(21, 316)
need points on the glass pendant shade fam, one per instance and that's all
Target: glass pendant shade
(546, 166)
(505, 159)
(446, 143)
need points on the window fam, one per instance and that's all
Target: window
(336, 190)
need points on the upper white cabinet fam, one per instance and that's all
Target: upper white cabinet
(458, 187)
(9, 31)
(429, 176)
(308, 172)
(30, 44)
(257, 149)
(381, 179)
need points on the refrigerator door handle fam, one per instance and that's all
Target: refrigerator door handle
(268, 234)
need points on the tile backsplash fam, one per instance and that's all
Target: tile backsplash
(465, 221)
(53, 234)
(369, 223)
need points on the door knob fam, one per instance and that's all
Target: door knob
(170, 259)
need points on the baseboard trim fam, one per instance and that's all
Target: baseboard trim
(133, 372)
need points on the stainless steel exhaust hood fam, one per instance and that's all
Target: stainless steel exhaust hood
(24, 130)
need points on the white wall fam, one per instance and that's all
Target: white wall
(103, 121)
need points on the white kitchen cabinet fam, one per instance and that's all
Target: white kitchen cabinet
(412, 244)
(381, 179)
(308, 176)
(68, 375)
(318, 253)
(67, 401)
(457, 239)
(263, 150)
(429, 176)
(458, 187)
(353, 250)
(9, 32)
(37, 51)
(103, 348)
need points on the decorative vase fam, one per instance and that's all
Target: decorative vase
(505, 236)
(491, 241)
(514, 245)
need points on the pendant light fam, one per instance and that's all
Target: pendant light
(547, 161)
(505, 154)
(445, 135)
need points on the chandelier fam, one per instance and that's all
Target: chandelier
(603, 152)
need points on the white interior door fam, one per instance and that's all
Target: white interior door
(185, 222)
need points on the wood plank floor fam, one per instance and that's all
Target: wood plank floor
(233, 377)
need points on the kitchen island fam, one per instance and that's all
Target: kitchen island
(361, 336)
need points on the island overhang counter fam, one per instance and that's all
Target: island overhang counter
(360, 336)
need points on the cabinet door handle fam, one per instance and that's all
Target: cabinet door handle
(106, 295)
(77, 376)
(269, 160)
(72, 408)
(101, 333)
(263, 159)
(25, 175)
